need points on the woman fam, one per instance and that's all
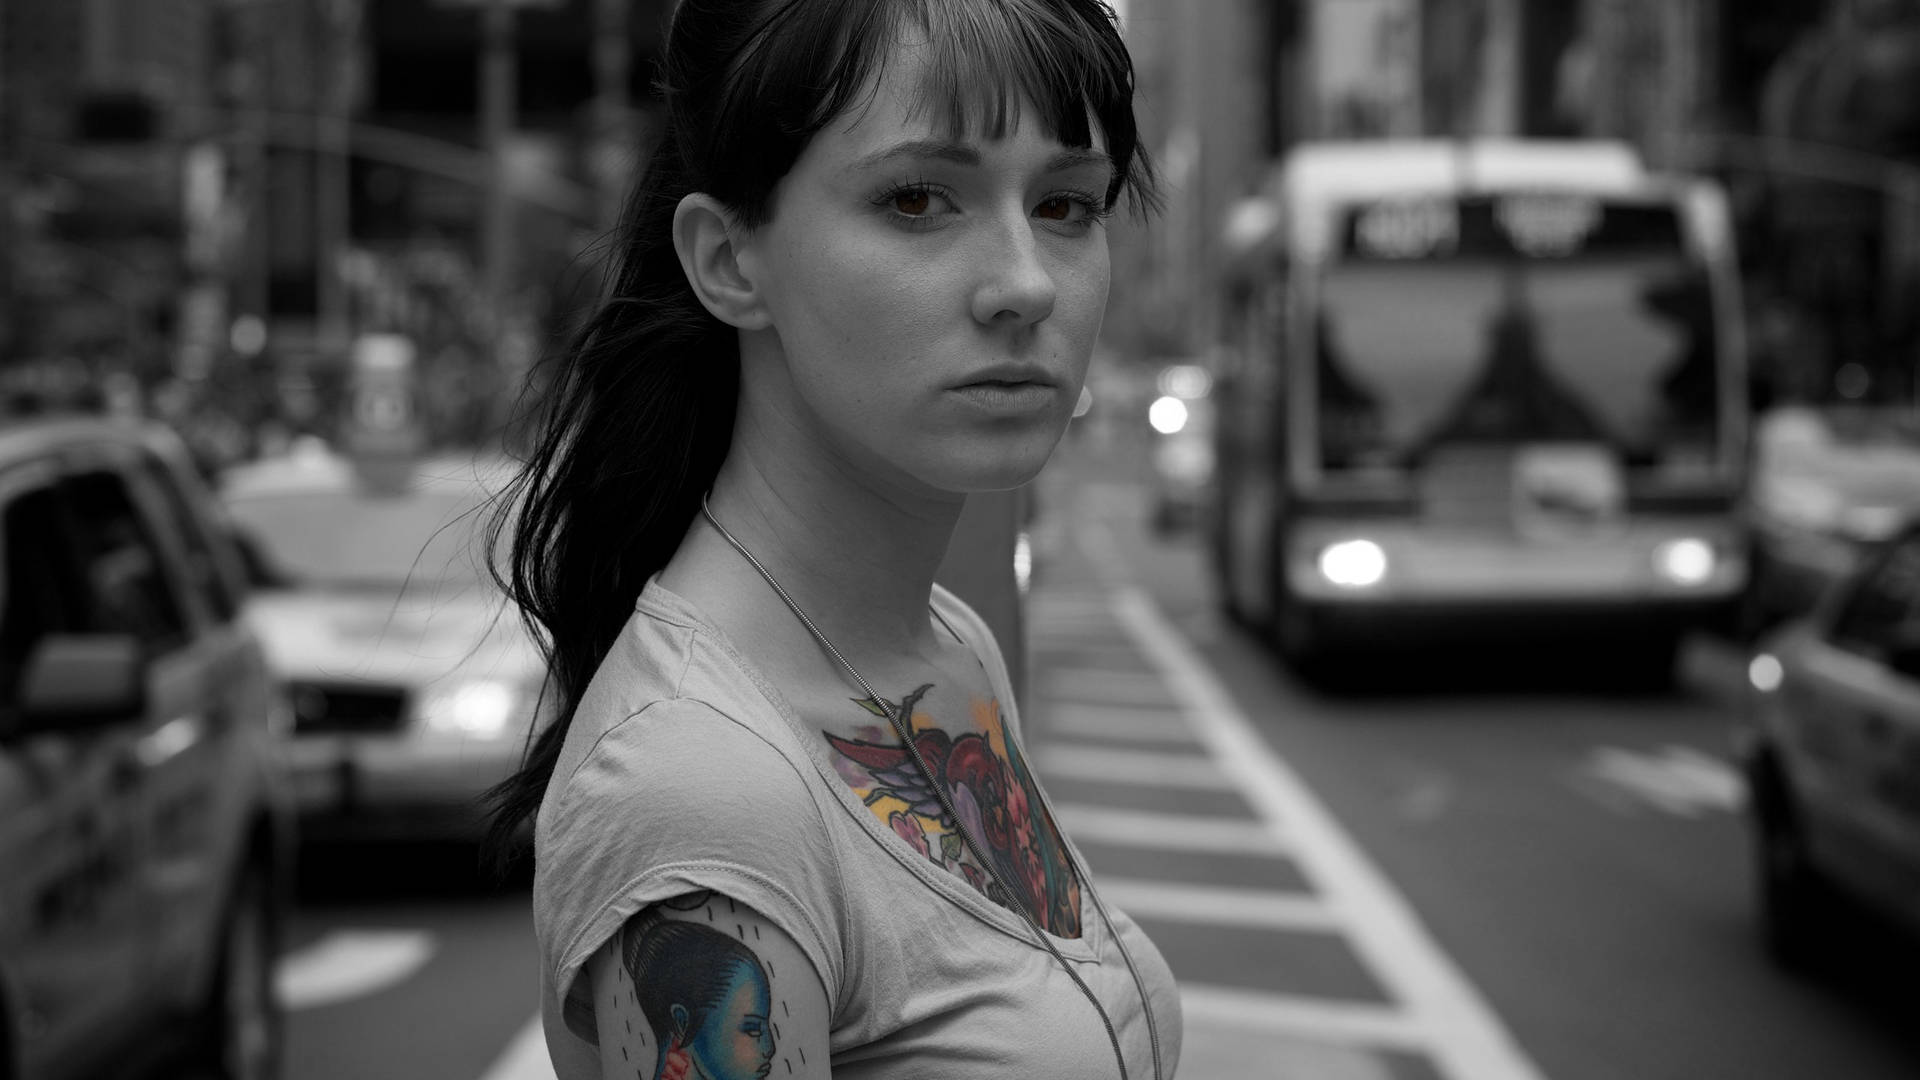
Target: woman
(861, 278)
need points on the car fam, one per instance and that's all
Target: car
(144, 839)
(1829, 482)
(1831, 751)
(414, 684)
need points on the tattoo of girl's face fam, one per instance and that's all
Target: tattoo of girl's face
(706, 996)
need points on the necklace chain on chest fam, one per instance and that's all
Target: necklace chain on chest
(900, 730)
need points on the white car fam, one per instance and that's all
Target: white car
(1832, 753)
(413, 681)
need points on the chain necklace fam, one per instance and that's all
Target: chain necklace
(900, 731)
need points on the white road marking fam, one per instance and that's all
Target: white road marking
(1219, 905)
(348, 964)
(525, 1057)
(1146, 768)
(1318, 1019)
(1463, 1034)
(1170, 832)
(1677, 779)
(1096, 687)
(1124, 722)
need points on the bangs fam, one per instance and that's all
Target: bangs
(985, 62)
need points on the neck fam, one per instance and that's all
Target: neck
(860, 561)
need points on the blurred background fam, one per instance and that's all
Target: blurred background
(1473, 621)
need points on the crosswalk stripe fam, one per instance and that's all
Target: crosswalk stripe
(1093, 685)
(1081, 761)
(348, 964)
(525, 1057)
(1464, 1035)
(1317, 1019)
(1218, 905)
(1132, 723)
(1171, 832)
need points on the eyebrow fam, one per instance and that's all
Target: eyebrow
(1071, 157)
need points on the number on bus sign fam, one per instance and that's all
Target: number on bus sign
(1408, 229)
(1548, 225)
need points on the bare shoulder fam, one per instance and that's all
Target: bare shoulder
(703, 987)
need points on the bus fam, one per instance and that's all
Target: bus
(1479, 384)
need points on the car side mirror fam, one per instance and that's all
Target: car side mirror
(74, 681)
(260, 573)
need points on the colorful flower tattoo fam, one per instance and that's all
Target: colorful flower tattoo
(992, 793)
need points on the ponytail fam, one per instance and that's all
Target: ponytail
(631, 432)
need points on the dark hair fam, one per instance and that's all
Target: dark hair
(681, 963)
(640, 409)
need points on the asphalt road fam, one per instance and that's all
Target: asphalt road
(1495, 871)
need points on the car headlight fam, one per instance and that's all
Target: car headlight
(1765, 673)
(480, 710)
(1687, 561)
(1167, 414)
(1354, 564)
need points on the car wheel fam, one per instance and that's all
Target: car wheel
(241, 1027)
(1793, 897)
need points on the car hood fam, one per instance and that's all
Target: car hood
(377, 637)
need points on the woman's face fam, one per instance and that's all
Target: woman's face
(736, 1042)
(933, 299)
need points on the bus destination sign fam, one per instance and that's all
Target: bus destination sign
(1535, 225)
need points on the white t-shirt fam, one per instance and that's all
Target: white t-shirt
(684, 770)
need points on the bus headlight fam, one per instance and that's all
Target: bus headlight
(1354, 564)
(1688, 561)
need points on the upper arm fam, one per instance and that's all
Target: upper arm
(705, 980)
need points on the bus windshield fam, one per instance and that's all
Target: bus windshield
(1614, 348)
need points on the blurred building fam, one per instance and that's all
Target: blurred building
(209, 194)
(114, 187)
(1808, 109)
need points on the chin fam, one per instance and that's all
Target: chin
(996, 472)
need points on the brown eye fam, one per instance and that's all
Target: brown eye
(913, 203)
(1059, 208)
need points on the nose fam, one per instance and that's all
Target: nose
(1015, 287)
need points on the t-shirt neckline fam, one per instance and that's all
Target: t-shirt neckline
(1086, 947)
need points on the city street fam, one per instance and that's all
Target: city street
(1463, 882)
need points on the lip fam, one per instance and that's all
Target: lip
(1009, 375)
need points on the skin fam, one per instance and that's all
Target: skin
(900, 263)
(736, 1042)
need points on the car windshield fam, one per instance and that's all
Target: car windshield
(355, 539)
(1491, 335)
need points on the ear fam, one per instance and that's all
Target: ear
(704, 235)
(680, 1025)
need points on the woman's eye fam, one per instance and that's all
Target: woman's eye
(913, 203)
(1060, 208)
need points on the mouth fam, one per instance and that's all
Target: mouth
(1009, 377)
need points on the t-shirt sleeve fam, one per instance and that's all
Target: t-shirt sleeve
(680, 798)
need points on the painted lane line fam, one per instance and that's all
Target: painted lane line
(1092, 686)
(1677, 779)
(1314, 1019)
(348, 964)
(1115, 722)
(1080, 761)
(1468, 1040)
(1219, 905)
(525, 1057)
(1169, 832)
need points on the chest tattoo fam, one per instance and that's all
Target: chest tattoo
(993, 793)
